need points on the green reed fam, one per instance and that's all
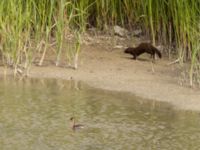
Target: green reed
(170, 22)
(29, 27)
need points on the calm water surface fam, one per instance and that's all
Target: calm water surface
(34, 115)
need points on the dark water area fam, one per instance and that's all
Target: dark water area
(35, 115)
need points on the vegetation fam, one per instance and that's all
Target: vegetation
(29, 27)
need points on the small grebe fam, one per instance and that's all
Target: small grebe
(74, 125)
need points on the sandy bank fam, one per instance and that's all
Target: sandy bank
(111, 69)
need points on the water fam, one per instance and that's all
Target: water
(34, 115)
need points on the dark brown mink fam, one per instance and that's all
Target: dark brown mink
(143, 48)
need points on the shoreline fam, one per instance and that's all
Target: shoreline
(182, 99)
(115, 71)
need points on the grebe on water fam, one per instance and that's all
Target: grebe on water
(74, 125)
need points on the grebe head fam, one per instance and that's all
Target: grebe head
(75, 126)
(72, 118)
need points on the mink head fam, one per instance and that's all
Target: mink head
(128, 50)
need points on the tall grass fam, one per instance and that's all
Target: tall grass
(171, 22)
(28, 27)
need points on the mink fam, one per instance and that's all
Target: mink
(143, 48)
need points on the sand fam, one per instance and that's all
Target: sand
(102, 66)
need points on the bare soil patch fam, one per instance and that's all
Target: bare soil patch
(103, 66)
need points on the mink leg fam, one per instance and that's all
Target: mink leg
(134, 57)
